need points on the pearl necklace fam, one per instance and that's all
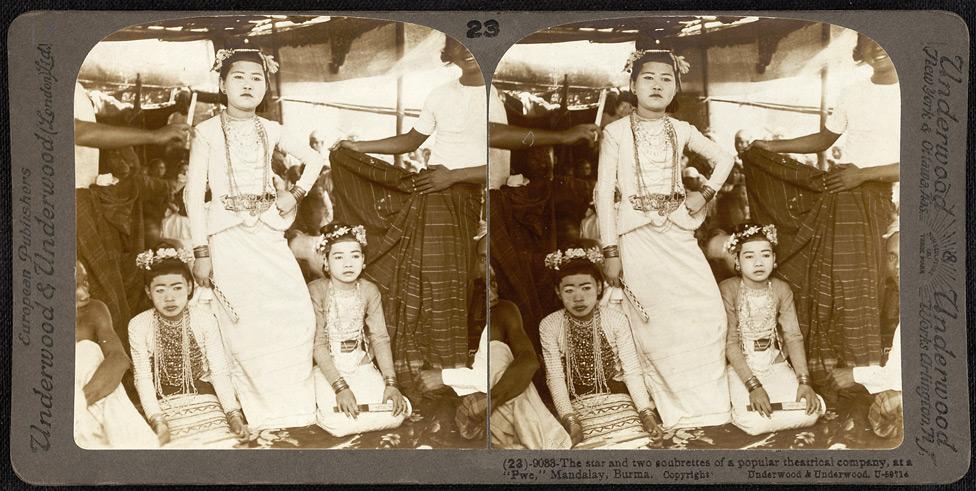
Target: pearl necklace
(177, 354)
(585, 353)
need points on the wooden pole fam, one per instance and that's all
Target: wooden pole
(399, 40)
(704, 55)
(277, 78)
(824, 42)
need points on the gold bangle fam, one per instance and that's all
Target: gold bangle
(707, 192)
(611, 251)
(753, 383)
(339, 385)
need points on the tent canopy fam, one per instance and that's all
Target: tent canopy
(593, 43)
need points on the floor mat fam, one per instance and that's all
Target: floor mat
(430, 426)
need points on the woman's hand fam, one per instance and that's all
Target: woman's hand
(202, 269)
(236, 422)
(613, 267)
(161, 428)
(651, 425)
(347, 144)
(694, 202)
(346, 401)
(575, 429)
(760, 402)
(285, 201)
(393, 395)
(805, 392)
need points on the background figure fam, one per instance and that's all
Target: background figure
(103, 258)
(884, 382)
(423, 229)
(104, 417)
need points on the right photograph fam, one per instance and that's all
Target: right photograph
(694, 241)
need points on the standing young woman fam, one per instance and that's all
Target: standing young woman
(648, 240)
(267, 321)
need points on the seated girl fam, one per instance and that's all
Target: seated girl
(592, 368)
(181, 373)
(351, 395)
(758, 373)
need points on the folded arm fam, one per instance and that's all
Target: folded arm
(519, 373)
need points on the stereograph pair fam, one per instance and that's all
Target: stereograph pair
(286, 252)
(653, 232)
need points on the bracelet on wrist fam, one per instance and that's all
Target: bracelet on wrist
(753, 383)
(803, 379)
(201, 251)
(339, 385)
(611, 251)
(390, 381)
(707, 192)
(156, 421)
(297, 192)
(234, 412)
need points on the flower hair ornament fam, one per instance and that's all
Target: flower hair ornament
(357, 233)
(268, 61)
(735, 240)
(681, 66)
(556, 260)
(147, 259)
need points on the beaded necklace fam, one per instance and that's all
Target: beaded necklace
(254, 203)
(644, 200)
(586, 353)
(177, 355)
(757, 324)
(341, 329)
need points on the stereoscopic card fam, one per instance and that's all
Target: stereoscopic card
(496, 247)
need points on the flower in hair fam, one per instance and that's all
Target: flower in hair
(147, 259)
(268, 61)
(735, 240)
(557, 259)
(358, 233)
(681, 66)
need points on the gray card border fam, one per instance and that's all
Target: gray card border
(46, 49)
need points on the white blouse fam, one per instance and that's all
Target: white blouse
(208, 169)
(616, 173)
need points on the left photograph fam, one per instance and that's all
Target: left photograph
(280, 236)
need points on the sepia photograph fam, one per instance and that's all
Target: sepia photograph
(696, 245)
(278, 228)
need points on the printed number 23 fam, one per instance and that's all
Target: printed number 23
(488, 29)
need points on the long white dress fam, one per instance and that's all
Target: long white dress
(682, 343)
(266, 317)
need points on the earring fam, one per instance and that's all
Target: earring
(737, 266)
(775, 265)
